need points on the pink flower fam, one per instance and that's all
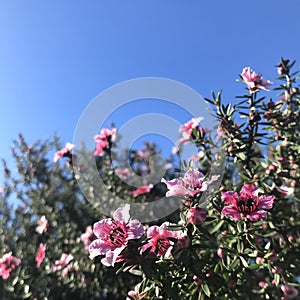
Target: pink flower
(136, 295)
(188, 130)
(197, 156)
(247, 203)
(175, 150)
(63, 264)
(123, 173)
(87, 237)
(283, 68)
(262, 284)
(1, 190)
(159, 240)
(100, 148)
(220, 252)
(142, 189)
(7, 264)
(64, 152)
(43, 225)
(190, 185)
(40, 255)
(196, 215)
(144, 153)
(289, 291)
(259, 260)
(286, 191)
(113, 235)
(104, 140)
(254, 81)
(168, 166)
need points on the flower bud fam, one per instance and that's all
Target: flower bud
(183, 242)
(196, 215)
(262, 284)
(259, 260)
(220, 252)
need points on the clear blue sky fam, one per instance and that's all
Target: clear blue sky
(56, 56)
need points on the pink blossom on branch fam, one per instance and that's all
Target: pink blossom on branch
(40, 255)
(63, 264)
(42, 225)
(123, 173)
(113, 235)
(143, 190)
(247, 203)
(135, 294)
(188, 130)
(7, 263)
(254, 81)
(183, 242)
(87, 237)
(159, 241)
(190, 185)
(66, 151)
(104, 140)
(196, 215)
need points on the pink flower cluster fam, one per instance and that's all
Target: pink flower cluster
(254, 81)
(113, 235)
(188, 129)
(190, 185)
(196, 215)
(42, 225)
(123, 173)
(104, 140)
(64, 152)
(142, 190)
(247, 203)
(40, 255)
(63, 264)
(7, 263)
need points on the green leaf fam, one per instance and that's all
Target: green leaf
(217, 227)
(277, 279)
(241, 155)
(254, 266)
(244, 262)
(205, 289)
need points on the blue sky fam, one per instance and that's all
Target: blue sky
(56, 56)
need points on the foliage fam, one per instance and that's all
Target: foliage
(242, 240)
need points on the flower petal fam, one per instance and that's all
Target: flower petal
(205, 184)
(111, 257)
(229, 197)
(98, 247)
(178, 190)
(266, 201)
(135, 229)
(257, 215)
(249, 191)
(165, 233)
(122, 214)
(148, 245)
(102, 228)
(152, 231)
(170, 183)
(230, 210)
